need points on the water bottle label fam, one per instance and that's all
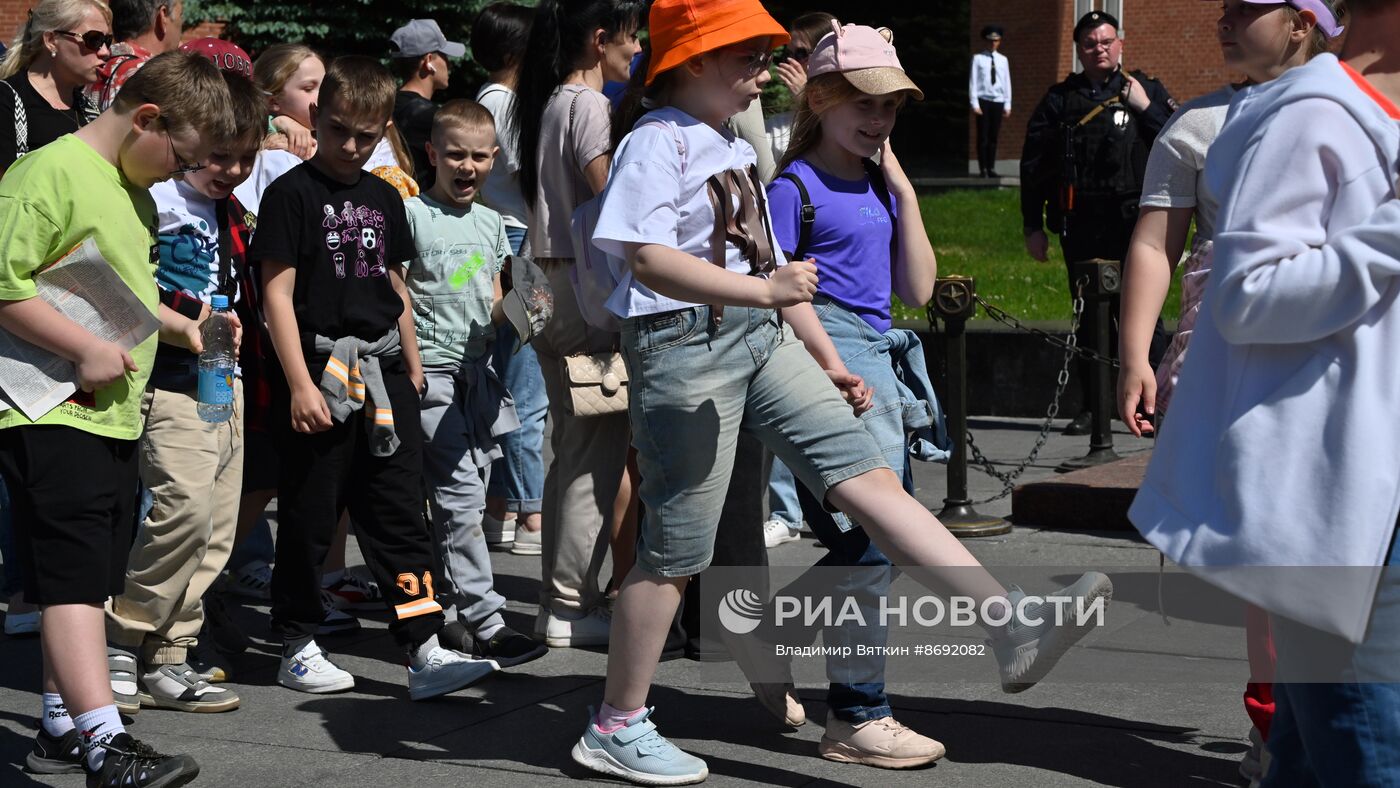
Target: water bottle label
(216, 386)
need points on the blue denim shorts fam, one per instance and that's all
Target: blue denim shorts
(694, 385)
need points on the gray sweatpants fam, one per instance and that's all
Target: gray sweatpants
(457, 499)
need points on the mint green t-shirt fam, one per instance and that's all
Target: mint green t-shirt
(458, 253)
(50, 201)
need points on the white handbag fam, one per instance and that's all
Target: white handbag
(597, 384)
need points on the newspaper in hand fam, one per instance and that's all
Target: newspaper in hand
(83, 287)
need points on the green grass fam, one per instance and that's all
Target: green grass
(977, 233)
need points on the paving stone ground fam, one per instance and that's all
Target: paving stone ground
(516, 729)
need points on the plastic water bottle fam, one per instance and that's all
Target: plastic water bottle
(216, 364)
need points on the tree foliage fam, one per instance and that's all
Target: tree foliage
(342, 27)
(932, 39)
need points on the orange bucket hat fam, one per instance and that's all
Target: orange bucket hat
(682, 29)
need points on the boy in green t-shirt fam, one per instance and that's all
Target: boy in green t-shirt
(72, 474)
(455, 283)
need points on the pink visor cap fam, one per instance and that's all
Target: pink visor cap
(865, 57)
(1322, 9)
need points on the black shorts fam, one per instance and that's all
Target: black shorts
(73, 496)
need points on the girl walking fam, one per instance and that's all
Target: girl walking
(722, 339)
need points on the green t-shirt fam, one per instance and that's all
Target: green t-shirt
(458, 254)
(50, 201)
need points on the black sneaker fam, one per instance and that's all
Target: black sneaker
(508, 648)
(55, 754)
(132, 764)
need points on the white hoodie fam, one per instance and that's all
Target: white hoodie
(1289, 452)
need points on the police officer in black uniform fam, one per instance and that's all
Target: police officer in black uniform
(1083, 163)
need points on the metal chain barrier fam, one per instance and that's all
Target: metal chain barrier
(1070, 344)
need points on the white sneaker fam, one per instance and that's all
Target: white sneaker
(253, 580)
(589, 629)
(776, 532)
(497, 532)
(445, 671)
(310, 670)
(527, 543)
(17, 624)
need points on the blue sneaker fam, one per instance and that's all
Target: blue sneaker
(638, 753)
(1025, 653)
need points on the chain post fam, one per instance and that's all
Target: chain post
(954, 300)
(1104, 279)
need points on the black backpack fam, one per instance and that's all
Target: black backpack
(808, 216)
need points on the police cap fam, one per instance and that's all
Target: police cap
(1092, 20)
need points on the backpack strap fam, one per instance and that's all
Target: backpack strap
(808, 216)
(21, 123)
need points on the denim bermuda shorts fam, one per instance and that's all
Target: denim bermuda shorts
(694, 385)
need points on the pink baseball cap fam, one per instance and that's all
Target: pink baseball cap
(865, 57)
(1321, 9)
(227, 55)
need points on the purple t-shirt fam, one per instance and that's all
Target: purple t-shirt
(850, 239)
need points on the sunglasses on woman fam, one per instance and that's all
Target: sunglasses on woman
(93, 40)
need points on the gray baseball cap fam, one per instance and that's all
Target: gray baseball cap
(530, 303)
(421, 37)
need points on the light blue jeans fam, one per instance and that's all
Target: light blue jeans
(518, 476)
(857, 684)
(1343, 734)
(782, 495)
(694, 385)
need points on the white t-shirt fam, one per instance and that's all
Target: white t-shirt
(269, 166)
(651, 198)
(502, 189)
(1176, 169)
(383, 156)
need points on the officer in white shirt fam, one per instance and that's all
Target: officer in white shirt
(989, 88)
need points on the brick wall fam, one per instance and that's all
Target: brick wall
(13, 12)
(1172, 40)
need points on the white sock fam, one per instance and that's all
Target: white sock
(419, 655)
(99, 726)
(55, 719)
(331, 578)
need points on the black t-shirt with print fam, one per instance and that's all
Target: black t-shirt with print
(342, 239)
(43, 123)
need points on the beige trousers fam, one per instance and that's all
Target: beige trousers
(194, 471)
(589, 457)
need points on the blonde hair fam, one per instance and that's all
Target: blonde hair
(189, 90)
(278, 63)
(400, 149)
(1318, 42)
(462, 114)
(359, 86)
(47, 16)
(822, 92)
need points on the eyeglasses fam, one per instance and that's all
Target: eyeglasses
(95, 40)
(756, 63)
(1089, 45)
(182, 167)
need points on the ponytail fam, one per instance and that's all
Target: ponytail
(560, 35)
